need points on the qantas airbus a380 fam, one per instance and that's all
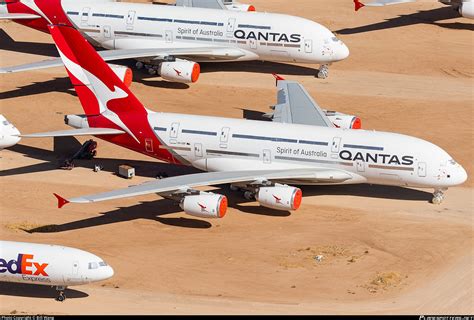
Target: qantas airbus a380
(170, 40)
(300, 146)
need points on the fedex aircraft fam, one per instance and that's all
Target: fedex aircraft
(300, 146)
(171, 40)
(50, 265)
(464, 7)
(9, 134)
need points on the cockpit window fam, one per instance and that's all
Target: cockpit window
(102, 264)
(452, 162)
(6, 123)
(335, 39)
(93, 265)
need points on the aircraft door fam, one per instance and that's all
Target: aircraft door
(75, 268)
(253, 44)
(224, 137)
(308, 46)
(360, 166)
(107, 32)
(174, 132)
(85, 16)
(267, 156)
(422, 169)
(149, 145)
(198, 150)
(230, 27)
(336, 144)
(169, 36)
(130, 19)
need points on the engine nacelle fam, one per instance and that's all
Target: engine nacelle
(9, 134)
(124, 73)
(207, 205)
(236, 6)
(280, 197)
(344, 121)
(466, 9)
(76, 121)
(180, 71)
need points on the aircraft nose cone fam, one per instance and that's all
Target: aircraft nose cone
(342, 52)
(461, 175)
(109, 273)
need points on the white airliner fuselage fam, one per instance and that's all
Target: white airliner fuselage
(223, 144)
(262, 36)
(9, 134)
(50, 265)
(191, 34)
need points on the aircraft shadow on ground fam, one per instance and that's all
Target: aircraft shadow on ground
(421, 17)
(156, 210)
(36, 291)
(9, 44)
(54, 85)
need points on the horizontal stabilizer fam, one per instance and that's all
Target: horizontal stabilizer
(378, 3)
(18, 16)
(75, 132)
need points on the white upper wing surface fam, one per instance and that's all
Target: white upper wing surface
(173, 184)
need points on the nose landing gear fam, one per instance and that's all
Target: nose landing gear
(323, 72)
(438, 196)
(61, 297)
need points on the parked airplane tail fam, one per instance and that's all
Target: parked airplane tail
(97, 85)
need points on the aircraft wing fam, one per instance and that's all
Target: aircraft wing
(185, 182)
(75, 132)
(378, 3)
(18, 16)
(295, 105)
(110, 55)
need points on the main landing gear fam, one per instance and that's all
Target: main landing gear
(438, 196)
(323, 72)
(61, 297)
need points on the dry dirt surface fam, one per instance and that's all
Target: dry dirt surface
(384, 250)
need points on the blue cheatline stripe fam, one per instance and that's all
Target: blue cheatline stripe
(107, 15)
(159, 129)
(318, 143)
(356, 146)
(186, 21)
(207, 133)
(274, 139)
(254, 27)
(73, 13)
(155, 19)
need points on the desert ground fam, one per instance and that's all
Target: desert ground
(386, 250)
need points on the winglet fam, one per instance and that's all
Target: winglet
(277, 77)
(358, 5)
(61, 201)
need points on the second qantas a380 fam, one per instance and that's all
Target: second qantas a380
(264, 159)
(170, 40)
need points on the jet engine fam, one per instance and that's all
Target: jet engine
(344, 121)
(466, 9)
(124, 73)
(236, 6)
(280, 197)
(180, 71)
(205, 205)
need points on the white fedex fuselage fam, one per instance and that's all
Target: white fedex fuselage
(50, 264)
(261, 36)
(224, 144)
(9, 134)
